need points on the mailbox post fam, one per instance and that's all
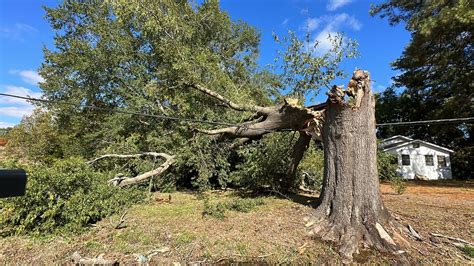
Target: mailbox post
(12, 182)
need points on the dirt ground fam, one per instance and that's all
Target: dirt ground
(159, 232)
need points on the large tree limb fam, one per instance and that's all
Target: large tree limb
(122, 181)
(145, 176)
(278, 118)
(231, 104)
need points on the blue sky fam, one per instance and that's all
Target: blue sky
(24, 32)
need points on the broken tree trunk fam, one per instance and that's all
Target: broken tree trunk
(351, 212)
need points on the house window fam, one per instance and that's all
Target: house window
(416, 145)
(405, 159)
(442, 161)
(429, 160)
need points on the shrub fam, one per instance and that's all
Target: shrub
(387, 166)
(216, 210)
(66, 196)
(398, 184)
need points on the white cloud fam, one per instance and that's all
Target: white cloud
(17, 32)
(335, 4)
(29, 76)
(285, 21)
(332, 24)
(322, 42)
(15, 111)
(311, 24)
(14, 107)
(6, 124)
(304, 11)
(20, 91)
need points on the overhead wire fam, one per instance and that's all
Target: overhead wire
(201, 121)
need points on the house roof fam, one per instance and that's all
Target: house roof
(384, 145)
(397, 136)
(401, 144)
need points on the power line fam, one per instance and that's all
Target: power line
(123, 111)
(424, 122)
(164, 117)
(174, 118)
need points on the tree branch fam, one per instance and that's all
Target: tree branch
(145, 176)
(228, 102)
(122, 181)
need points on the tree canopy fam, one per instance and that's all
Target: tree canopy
(168, 58)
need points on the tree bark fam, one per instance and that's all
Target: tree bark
(351, 211)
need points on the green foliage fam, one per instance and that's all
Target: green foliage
(311, 168)
(4, 131)
(387, 165)
(436, 75)
(141, 57)
(244, 204)
(66, 196)
(306, 68)
(36, 138)
(398, 184)
(265, 162)
(218, 209)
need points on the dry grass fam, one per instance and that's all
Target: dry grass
(272, 233)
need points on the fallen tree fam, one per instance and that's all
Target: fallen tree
(351, 212)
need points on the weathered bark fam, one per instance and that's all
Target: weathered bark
(351, 211)
(123, 181)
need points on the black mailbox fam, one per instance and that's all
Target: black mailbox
(12, 182)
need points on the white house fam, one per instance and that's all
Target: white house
(419, 159)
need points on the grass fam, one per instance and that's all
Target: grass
(468, 250)
(264, 229)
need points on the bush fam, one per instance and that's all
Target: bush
(66, 196)
(216, 210)
(398, 184)
(387, 166)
